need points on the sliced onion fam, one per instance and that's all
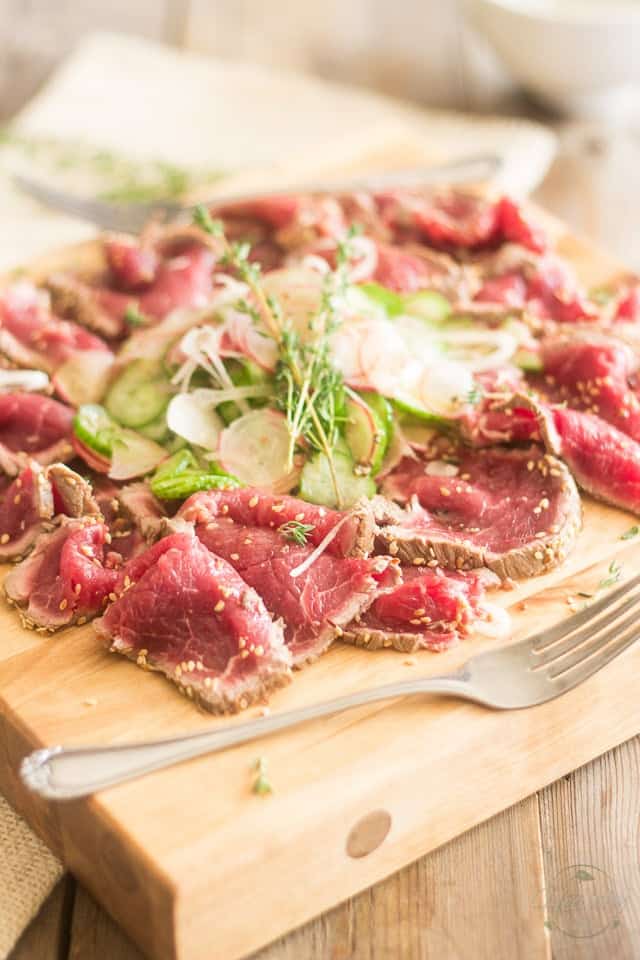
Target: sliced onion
(443, 387)
(440, 468)
(241, 335)
(134, 456)
(84, 377)
(485, 349)
(255, 448)
(192, 417)
(27, 380)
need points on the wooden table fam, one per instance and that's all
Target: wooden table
(557, 875)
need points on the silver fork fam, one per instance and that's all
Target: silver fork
(538, 669)
(132, 217)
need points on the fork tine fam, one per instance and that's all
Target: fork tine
(540, 641)
(129, 218)
(594, 642)
(560, 649)
(586, 668)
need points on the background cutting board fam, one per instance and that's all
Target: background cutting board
(195, 866)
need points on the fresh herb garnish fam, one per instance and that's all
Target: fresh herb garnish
(117, 178)
(631, 533)
(261, 784)
(310, 390)
(203, 219)
(474, 395)
(296, 531)
(614, 573)
(134, 317)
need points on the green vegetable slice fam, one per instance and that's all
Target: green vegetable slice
(392, 302)
(316, 484)
(528, 360)
(139, 395)
(182, 485)
(429, 305)
(368, 428)
(95, 428)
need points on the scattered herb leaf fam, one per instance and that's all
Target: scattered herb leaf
(614, 573)
(296, 531)
(134, 317)
(261, 784)
(586, 596)
(630, 533)
(474, 395)
(203, 219)
(583, 874)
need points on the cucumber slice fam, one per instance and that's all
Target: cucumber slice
(243, 373)
(94, 427)
(393, 302)
(178, 463)
(156, 430)
(411, 408)
(367, 428)
(528, 360)
(179, 486)
(139, 395)
(429, 305)
(316, 484)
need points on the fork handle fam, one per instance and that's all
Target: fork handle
(61, 773)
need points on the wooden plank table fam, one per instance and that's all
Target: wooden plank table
(555, 876)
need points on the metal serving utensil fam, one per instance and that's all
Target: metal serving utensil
(132, 217)
(536, 670)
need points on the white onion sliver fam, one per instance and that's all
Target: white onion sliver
(192, 417)
(440, 468)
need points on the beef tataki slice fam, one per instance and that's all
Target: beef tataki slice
(26, 507)
(186, 613)
(33, 426)
(256, 508)
(316, 602)
(516, 512)
(604, 461)
(66, 579)
(430, 610)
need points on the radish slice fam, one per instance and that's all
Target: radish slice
(93, 459)
(192, 416)
(134, 456)
(28, 380)
(443, 387)
(84, 377)
(255, 449)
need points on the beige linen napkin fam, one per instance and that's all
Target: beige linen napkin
(190, 110)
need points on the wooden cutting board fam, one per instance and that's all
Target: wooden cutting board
(194, 865)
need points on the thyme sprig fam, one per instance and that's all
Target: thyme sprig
(309, 390)
(296, 531)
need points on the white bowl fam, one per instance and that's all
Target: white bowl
(579, 56)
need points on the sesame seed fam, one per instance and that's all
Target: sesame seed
(207, 681)
(416, 622)
(5, 538)
(418, 561)
(244, 654)
(17, 498)
(234, 556)
(253, 502)
(393, 548)
(112, 597)
(191, 665)
(420, 612)
(299, 517)
(242, 642)
(219, 606)
(539, 555)
(278, 507)
(445, 491)
(178, 672)
(530, 465)
(259, 650)
(63, 604)
(224, 508)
